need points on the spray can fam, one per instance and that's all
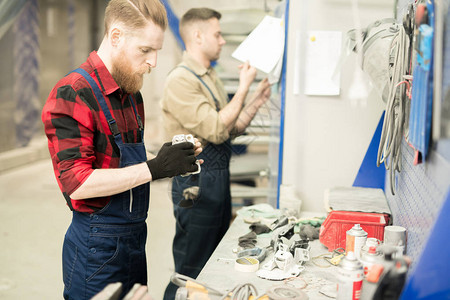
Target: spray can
(355, 238)
(369, 258)
(370, 242)
(350, 276)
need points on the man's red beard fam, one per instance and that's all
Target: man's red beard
(129, 81)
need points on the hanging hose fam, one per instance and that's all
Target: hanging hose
(396, 117)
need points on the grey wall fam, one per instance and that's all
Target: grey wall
(59, 53)
(56, 59)
(7, 105)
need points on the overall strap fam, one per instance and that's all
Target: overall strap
(201, 80)
(138, 117)
(101, 100)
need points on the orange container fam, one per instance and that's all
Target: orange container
(333, 229)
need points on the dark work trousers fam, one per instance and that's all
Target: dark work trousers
(109, 246)
(200, 228)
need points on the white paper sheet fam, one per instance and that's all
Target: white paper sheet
(323, 50)
(264, 46)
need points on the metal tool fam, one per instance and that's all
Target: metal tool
(258, 253)
(189, 286)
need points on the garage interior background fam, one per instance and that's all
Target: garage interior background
(324, 138)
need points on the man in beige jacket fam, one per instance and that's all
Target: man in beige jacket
(195, 102)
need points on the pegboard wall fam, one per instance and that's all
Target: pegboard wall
(419, 194)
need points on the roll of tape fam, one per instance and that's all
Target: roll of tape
(246, 264)
(284, 292)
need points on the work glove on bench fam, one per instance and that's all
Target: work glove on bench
(173, 160)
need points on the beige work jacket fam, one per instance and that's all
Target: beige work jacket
(188, 106)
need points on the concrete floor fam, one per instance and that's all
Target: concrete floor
(33, 221)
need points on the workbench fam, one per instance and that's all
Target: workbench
(219, 272)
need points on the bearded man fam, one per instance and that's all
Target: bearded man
(94, 122)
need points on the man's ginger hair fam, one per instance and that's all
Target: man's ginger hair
(134, 14)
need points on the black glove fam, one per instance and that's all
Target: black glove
(309, 232)
(173, 160)
(259, 228)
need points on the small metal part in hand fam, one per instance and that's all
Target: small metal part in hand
(181, 138)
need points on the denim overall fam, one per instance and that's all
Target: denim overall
(200, 228)
(109, 245)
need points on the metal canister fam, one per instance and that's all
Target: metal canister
(355, 238)
(350, 276)
(369, 243)
(369, 258)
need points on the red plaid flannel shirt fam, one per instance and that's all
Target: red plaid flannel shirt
(79, 139)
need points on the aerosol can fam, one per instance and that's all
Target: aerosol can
(355, 238)
(350, 275)
(369, 258)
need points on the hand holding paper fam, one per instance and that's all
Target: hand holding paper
(247, 74)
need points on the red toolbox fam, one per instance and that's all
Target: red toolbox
(334, 228)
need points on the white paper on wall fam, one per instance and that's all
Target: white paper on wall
(323, 50)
